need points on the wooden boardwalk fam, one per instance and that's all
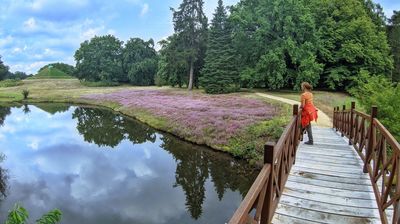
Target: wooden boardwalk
(327, 185)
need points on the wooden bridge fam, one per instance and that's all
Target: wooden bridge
(350, 175)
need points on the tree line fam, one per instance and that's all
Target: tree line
(270, 44)
(256, 43)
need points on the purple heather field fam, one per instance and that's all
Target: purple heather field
(205, 119)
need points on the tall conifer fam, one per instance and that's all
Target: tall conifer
(219, 74)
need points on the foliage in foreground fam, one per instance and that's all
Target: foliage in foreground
(379, 91)
(19, 215)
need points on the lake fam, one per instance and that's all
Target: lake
(98, 167)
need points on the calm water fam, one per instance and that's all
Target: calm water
(98, 167)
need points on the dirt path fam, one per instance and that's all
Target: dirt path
(323, 119)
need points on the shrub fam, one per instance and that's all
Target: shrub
(379, 91)
(25, 93)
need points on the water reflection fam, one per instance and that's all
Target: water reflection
(105, 128)
(157, 179)
(4, 111)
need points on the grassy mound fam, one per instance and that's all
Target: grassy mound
(52, 73)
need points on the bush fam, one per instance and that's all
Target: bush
(19, 215)
(25, 93)
(249, 144)
(379, 91)
(10, 83)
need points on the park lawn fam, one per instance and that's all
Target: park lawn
(324, 100)
(238, 123)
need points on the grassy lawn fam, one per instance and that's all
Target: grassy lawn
(238, 123)
(324, 100)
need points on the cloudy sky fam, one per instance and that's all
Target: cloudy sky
(34, 33)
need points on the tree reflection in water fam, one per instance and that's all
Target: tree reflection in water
(105, 128)
(196, 164)
(4, 112)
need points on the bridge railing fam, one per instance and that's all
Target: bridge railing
(261, 201)
(381, 155)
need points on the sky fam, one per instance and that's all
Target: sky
(34, 33)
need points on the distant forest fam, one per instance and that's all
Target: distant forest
(271, 44)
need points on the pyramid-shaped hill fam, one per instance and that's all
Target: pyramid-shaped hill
(52, 73)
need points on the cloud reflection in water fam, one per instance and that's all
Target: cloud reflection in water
(99, 167)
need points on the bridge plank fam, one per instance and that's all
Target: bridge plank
(327, 184)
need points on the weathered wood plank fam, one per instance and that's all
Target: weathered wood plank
(284, 219)
(330, 199)
(344, 165)
(330, 191)
(327, 184)
(329, 159)
(329, 208)
(324, 217)
(318, 176)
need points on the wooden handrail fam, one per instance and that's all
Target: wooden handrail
(380, 153)
(267, 189)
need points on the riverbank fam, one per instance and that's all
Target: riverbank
(238, 123)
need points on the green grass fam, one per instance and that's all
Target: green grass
(51, 73)
(99, 84)
(10, 83)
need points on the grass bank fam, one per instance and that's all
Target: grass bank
(237, 123)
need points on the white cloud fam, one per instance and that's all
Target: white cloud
(91, 32)
(6, 41)
(30, 24)
(145, 9)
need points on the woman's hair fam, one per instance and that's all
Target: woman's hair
(306, 86)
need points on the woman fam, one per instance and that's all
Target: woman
(309, 112)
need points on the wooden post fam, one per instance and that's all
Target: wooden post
(353, 107)
(337, 118)
(334, 117)
(371, 139)
(266, 212)
(296, 131)
(343, 126)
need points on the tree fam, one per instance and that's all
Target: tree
(350, 42)
(375, 12)
(100, 59)
(3, 70)
(394, 41)
(220, 74)
(18, 75)
(190, 25)
(277, 42)
(140, 61)
(172, 64)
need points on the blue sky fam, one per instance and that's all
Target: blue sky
(34, 33)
